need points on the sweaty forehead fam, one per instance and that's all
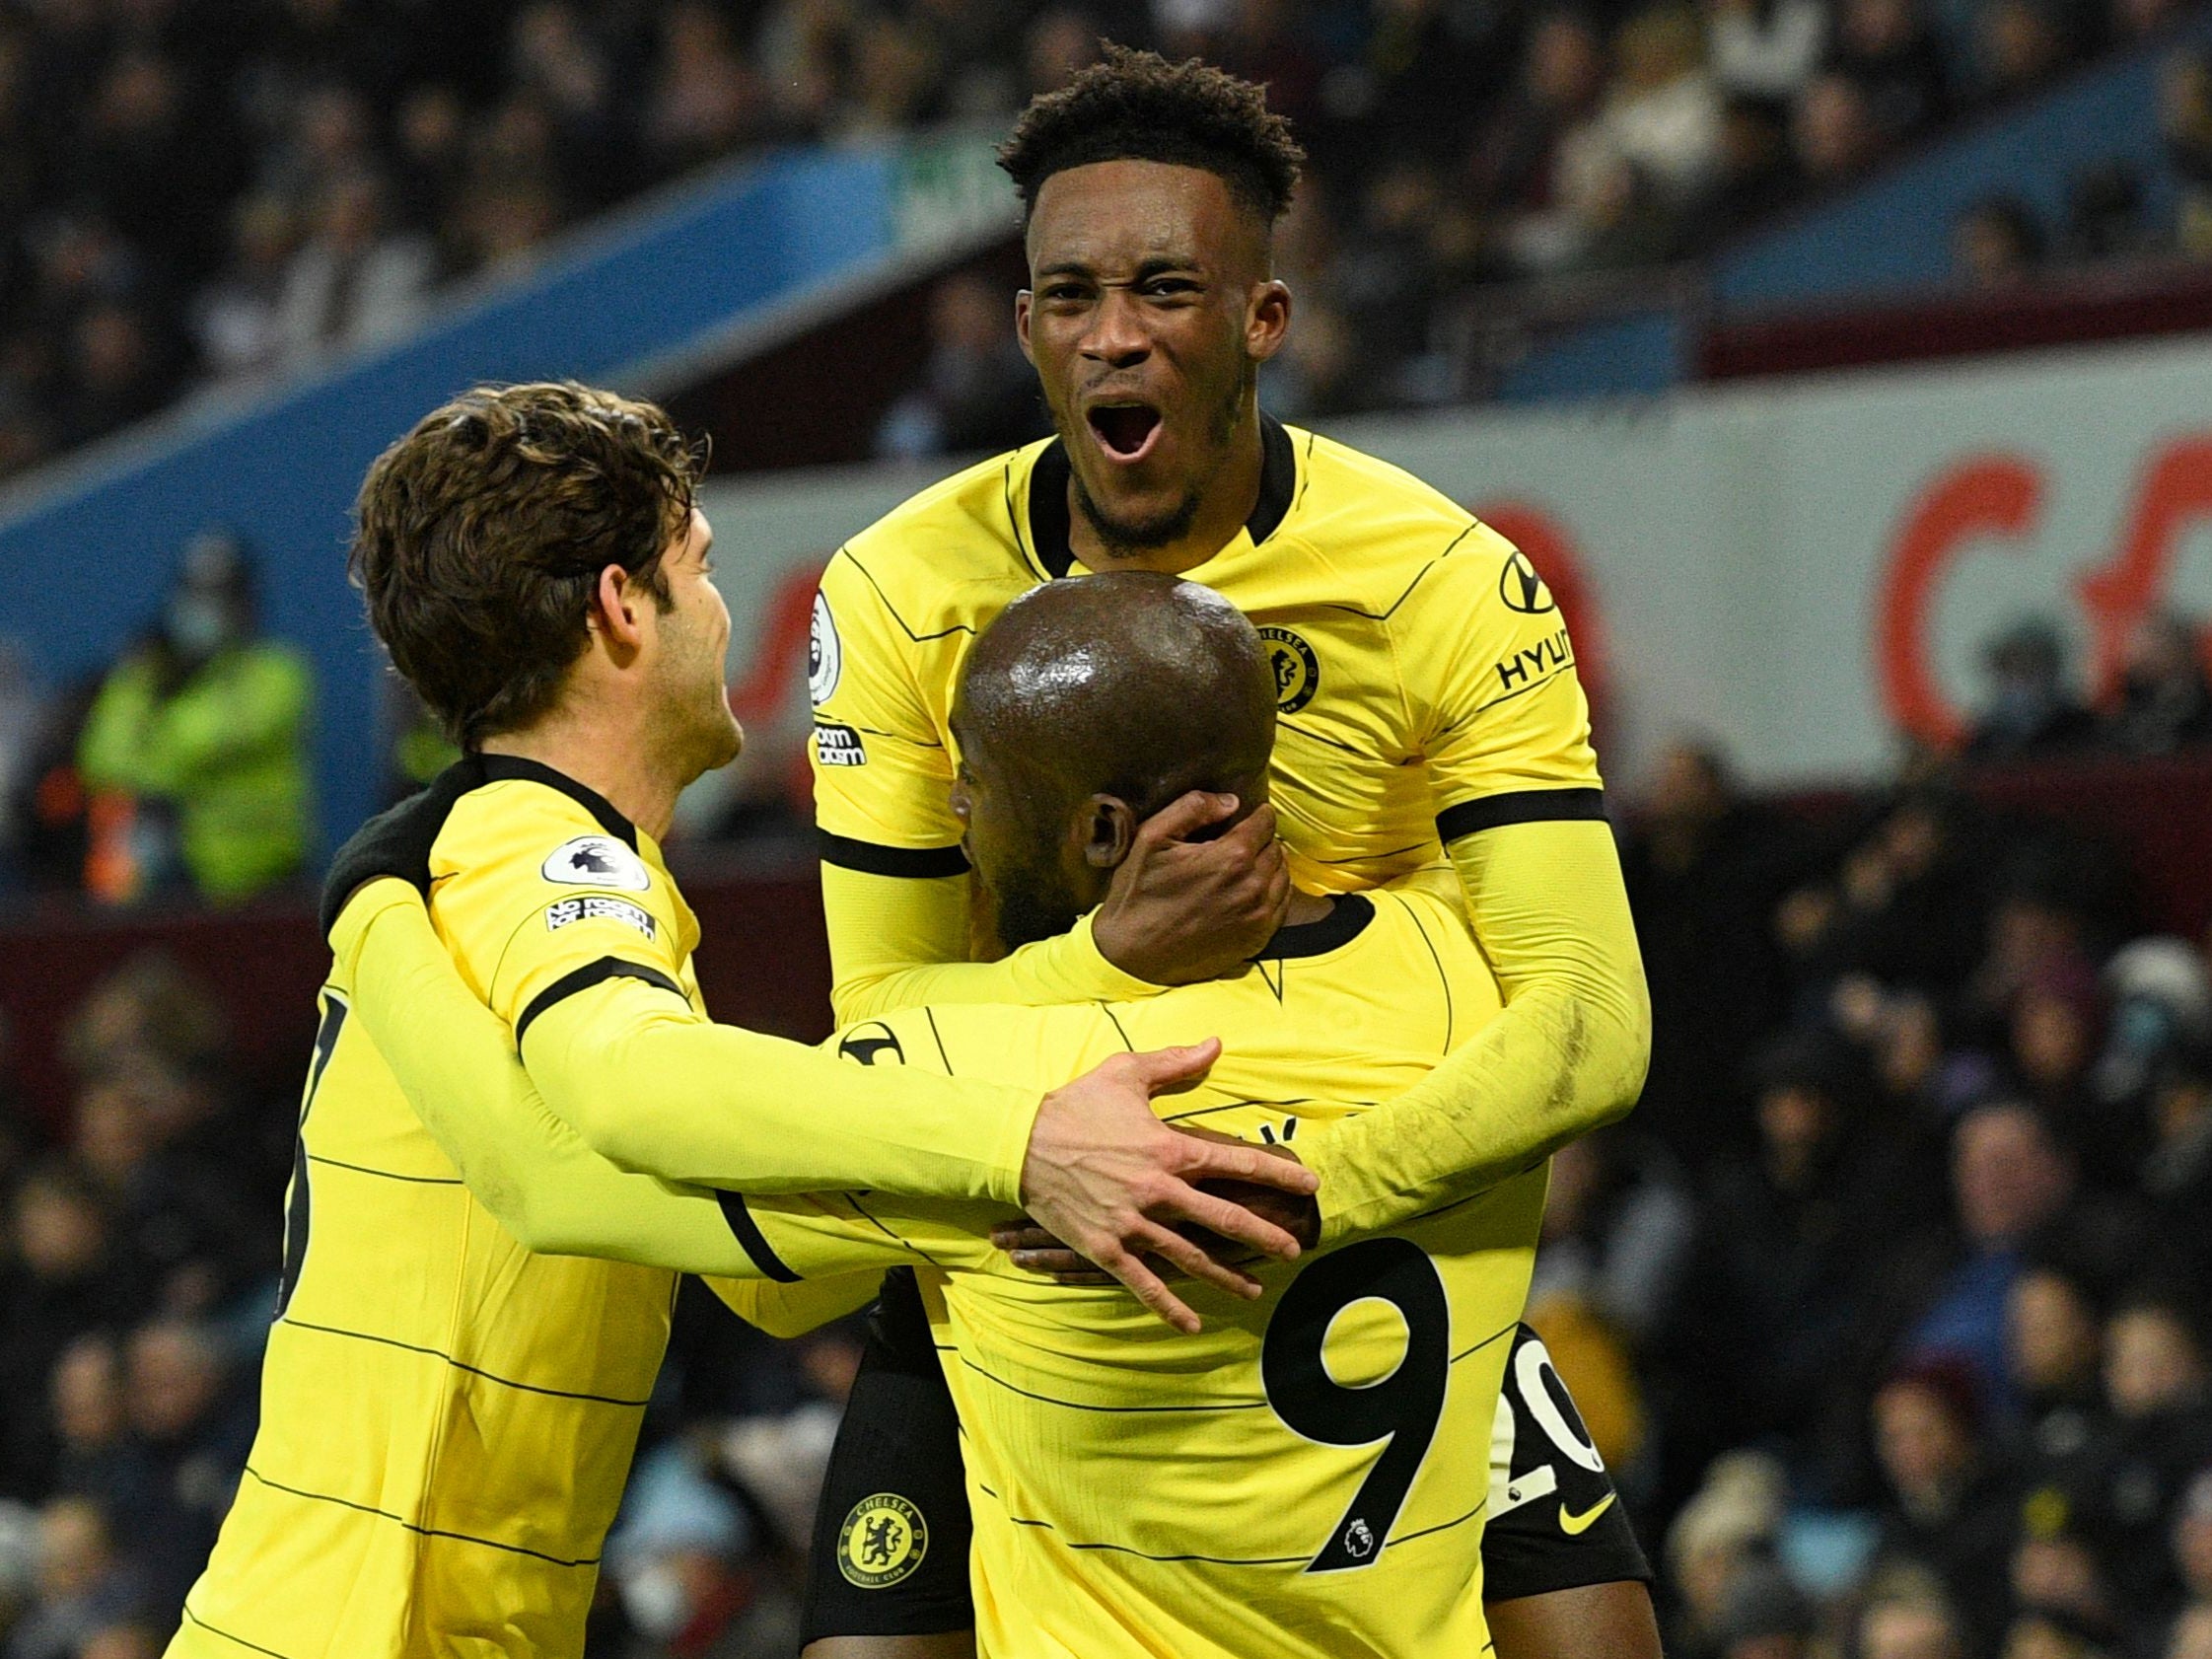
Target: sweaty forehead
(1113, 216)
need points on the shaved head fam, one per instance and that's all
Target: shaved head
(1087, 706)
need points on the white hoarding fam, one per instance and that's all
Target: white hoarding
(1797, 568)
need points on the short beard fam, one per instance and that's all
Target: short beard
(1122, 537)
(1025, 909)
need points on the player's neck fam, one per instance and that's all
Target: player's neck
(1305, 907)
(1232, 496)
(604, 755)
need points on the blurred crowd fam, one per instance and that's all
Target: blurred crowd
(1458, 146)
(2107, 214)
(1893, 1302)
(199, 192)
(138, 1268)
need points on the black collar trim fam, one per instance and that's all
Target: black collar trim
(1345, 924)
(1048, 495)
(498, 768)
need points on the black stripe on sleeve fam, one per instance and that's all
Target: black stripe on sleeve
(1522, 805)
(756, 1242)
(871, 858)
(583, 979)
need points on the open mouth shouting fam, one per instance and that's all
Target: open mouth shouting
(1127, 430)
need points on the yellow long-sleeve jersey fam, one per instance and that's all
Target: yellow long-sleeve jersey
(447, 1419)
(1293, 1480)
(1430, 724)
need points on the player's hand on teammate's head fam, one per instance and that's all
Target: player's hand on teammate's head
(1105, 1176)
(1180, 909)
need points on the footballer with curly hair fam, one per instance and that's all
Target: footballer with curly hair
(1431, 733)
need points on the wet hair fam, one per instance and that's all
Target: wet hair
(1137, 105)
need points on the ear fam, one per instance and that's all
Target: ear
(1021, 303)
(1110, 831)
(1268, 319)
(619, 606)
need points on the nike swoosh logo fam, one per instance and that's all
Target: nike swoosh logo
(1574, 1526)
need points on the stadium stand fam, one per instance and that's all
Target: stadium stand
(197, 192)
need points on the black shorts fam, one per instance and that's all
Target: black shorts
(890, 1556)
(892, 1535)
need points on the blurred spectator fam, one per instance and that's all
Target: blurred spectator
(2031, 709)
(1754, 174)
(430, 134)
(182, 1215)
(193, 1435)
(98, 1460)
(1664, 117)
(1997, 244)
(2138, 19)
(2048, 1634)
(1704, 868)
(671, 1553)
(150, 1006)
(115, 369)
(1722, 1536)
(2165, 701)
(237, 318)
(2186, 124)
(1061, 40)
(1616, 1243)
(1950, 1509)
(1766, 50)
(977, 393)
(2192, 1552)
(706, 98)
(1516, 163)
(1783, 1298)
(2055, 1025)
(1909, 904)
(356, 280)
(2021, 46)
(84, 1586)
(2159, 1386)
(1617, 1232)
(200, 737)
(1887, 50)
(2160, 997)
(2010, 1178)
(21, 713)
(2107, 216)
(1834, 131)
(2054, 1342)
(66, 1276)
(2176, 1176)
(1909, 1626)
(1766, 1617)
(2055, 1574)
(1388, 278)
(129, 1639)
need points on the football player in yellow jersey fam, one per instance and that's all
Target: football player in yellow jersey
(1432, 726)
(1279, 1483)
(447, 1419)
